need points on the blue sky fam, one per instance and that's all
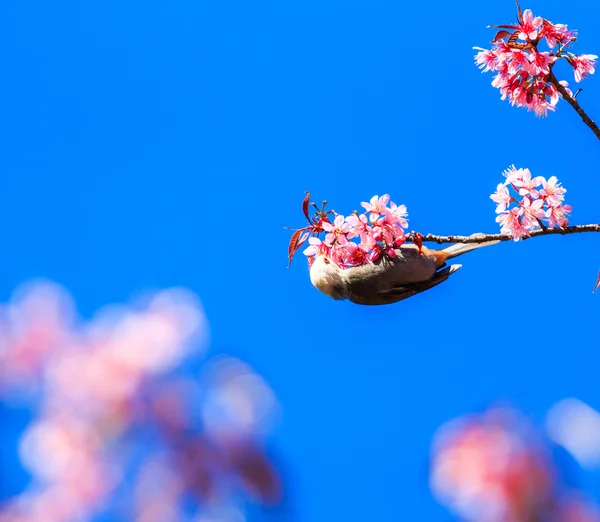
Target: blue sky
(153, 144)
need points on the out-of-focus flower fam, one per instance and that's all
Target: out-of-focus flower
(495, 467)
(491, 468)
(118, 412)
(576, 426)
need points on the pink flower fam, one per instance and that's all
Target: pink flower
(376, 206)
(512, 174)
(502, 197)
(525, 185)
(398, 213)
(540, 63)
(336, 231)
(541, 107)
(387, 229)
(519, 60)
(556, 33)
(529, 26)
(532, 212)
(485, 59)
(355, 255)
(316, 247)
(556, 216)
(375, 253)
(552, 192)
(368, 243)
(583, 65)
(523, 70)
(360, 226)
(510, 222)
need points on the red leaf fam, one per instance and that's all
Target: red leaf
(500, 35)
(295, 243)
(520, 11)
(597, 283)
(503, 26)
(305, 205)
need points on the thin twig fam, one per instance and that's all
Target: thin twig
(482, 238)
(575, 104)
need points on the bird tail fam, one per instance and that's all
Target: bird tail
(461, 248)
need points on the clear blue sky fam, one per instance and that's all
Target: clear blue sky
(152, 144)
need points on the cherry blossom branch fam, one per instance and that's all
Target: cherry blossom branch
(482, 238)
(574, 103)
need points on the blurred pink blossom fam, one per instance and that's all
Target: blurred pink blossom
(104, 384)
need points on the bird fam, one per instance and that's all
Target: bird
(389, 280)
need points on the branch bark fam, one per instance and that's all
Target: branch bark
(575, 104)
(482, 238)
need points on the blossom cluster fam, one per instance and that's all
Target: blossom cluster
(118, 412)
(379, 232)
(539, 203)
(524, 73)
(495, 467)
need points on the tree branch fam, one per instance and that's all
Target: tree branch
(575, 104)
(482, 238)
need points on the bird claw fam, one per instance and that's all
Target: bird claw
(417, 239)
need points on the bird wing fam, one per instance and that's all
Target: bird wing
(399, 293)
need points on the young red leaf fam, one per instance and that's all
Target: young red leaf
(305, 205)
(597, 284)
(500, 35)
(520, 11)
(295, 243)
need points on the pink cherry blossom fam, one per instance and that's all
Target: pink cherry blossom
(510, 222)
(532, 205)
(398, 213)
(552, 191)
(375, 253)
(583, 65)
(556, 33)
(532, 212)
(376, 206)
(540, 63)
(336, 231)
(526, 185)
(523, 71)
(557, 215)
(502, 197)
(316, 247)
(389, 228)
(354, 255)
(359, 226)
(379, 234)
(486, 59)
(529, 26)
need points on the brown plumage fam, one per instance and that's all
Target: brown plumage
(389, 280)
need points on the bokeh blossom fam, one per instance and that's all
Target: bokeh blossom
(538, 203)
(524, 72)
(495, 467)
(122, 427)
